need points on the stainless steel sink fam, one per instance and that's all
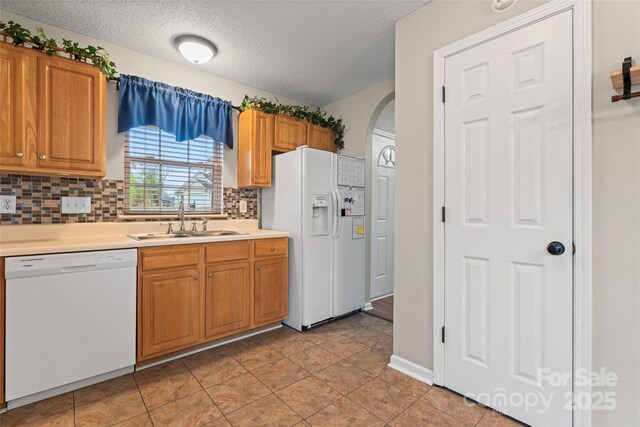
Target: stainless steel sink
(217, 233)
(158, 236)
(182, 234)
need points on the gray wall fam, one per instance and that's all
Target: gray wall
(616, 181)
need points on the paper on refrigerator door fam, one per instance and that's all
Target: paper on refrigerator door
(357, 231)
(351, 201)
(351, 171)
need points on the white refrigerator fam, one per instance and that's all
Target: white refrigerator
(318, 197)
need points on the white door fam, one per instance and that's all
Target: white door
(318, 247)
(382, 205)
(508, 194)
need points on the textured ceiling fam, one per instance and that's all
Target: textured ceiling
(312, 51)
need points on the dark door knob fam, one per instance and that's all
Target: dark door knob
(555, 248)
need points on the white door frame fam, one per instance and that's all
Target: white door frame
(582, 185)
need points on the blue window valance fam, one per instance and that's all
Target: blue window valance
(180, 112)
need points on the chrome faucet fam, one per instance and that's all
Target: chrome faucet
(204, 224)
(181, 215)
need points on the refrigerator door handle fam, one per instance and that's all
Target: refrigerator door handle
(337, 217)
(334, 217)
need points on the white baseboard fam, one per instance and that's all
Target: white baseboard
(412, 369)
(368, 306)
(382, 297)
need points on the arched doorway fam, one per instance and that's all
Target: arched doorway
(381, 191)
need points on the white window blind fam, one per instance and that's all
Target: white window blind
(161, 172)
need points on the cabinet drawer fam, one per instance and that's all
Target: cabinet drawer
(271, 247)
(227, 251)
(169, 257)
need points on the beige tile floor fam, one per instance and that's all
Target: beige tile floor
(334, 375)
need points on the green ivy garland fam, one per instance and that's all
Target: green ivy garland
(97, 56)
(317, 117)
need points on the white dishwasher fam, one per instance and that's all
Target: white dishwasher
(69, 317)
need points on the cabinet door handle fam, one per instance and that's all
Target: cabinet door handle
(43, 157)
(19, 155)
(209, 274)
(196, 277)
(258, 268)
(273, 248)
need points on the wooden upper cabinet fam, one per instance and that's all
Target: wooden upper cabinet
(15, 104)
(260, 134)
(321, 138)
(71, 117)
(168, 312)
(255, 139)
(52, 114)
(289, 133)
(227, 299)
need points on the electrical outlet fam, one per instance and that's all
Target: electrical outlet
(243, 206)
(8, 204)
(76, 205)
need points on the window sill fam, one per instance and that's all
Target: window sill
(171, 216)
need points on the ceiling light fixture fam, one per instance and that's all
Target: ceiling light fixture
(502, 5)
(194, 48)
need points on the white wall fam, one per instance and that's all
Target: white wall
(387, 118)
(360, 113)
(417, 35)
(616, 211)
(616, 168)
(131, 62)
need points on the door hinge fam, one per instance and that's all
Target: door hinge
(443, 215)
(443, 94)
(443, 334)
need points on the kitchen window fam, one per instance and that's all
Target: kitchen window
(160, 172)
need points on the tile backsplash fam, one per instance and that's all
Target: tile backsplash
(38, 199)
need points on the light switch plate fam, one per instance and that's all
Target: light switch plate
(76, 205)
(243, 206)
(8, 204)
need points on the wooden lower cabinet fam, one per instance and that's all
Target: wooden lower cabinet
(227, 299)
(169, 312)
(271, 290)
(189, 295)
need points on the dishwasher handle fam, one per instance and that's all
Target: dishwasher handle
(75, 268)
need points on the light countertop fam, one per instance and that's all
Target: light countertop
(83, 237)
